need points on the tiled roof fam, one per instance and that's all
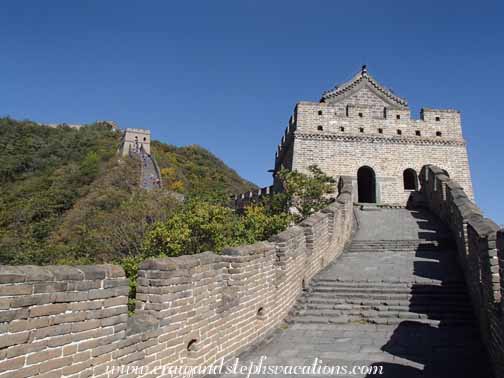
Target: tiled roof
(355, 81)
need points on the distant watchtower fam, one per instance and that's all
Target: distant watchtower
(364, 130)
(134, 140)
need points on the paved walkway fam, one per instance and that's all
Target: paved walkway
(398, 224)
(397, 305)
(150, 178)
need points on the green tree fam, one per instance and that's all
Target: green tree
(308, 193)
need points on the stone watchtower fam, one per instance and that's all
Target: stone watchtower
(363, 130)
(134, 140)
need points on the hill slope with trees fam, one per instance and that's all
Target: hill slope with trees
(67, 197)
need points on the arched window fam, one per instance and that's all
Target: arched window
(366, 185)
(410, 179)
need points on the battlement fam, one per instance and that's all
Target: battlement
(324, 118)
(113, 125)
(253, 196)
(284, 152)
(132, 131)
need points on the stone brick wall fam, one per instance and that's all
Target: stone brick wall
(480, 253)
(61, 321)
(192, 310)
(341, 144)
(285, 150)
(338, 155)
(311, 115)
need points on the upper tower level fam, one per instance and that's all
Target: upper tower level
(364, 107)
(364, 90)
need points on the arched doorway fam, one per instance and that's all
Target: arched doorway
(366, 184)
(410, 179)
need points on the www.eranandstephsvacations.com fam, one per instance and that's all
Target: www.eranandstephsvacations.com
(247, 370)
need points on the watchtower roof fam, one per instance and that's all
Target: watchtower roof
(360, 80)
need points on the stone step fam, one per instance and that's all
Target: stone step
(399, 246)
(451, 306)
(423, 244)
(422, 301)
(371, 284)
(381, 321)
(421, 289)
(434, 241)
(411, 248)
(409, 307)
(426, 242)
(386, 314)
(460, 297)
(443, 251)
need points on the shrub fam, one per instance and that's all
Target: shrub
(307, 193)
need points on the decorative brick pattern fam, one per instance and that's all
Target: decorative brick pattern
(65, 321)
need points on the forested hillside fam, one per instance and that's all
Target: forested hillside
(67, 197)
(194, 170)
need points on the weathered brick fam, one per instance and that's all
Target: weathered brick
(25, 349)
(54, 364)
(25, 324)
(13, 339)
(50, 309)
(30, 300)
(24, 372)
(115, 283)
(85, 326)
(49, 287)
(44, 355)
(107, 293)
(12, 363)
(56, 330)
(19, 289)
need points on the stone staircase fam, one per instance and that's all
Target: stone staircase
(395, 298)
(149, 177)
(426, 288)
(330, 301)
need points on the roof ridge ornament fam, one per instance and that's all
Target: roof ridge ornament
(350, 86)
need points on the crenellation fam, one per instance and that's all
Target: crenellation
(361, 117)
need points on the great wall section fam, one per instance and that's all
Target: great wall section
(401, 271)
(192, 310)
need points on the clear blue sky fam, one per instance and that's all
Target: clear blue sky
(227, 74)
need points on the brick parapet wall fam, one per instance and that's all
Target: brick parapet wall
(59, 320)
(72, 322)
(285, 150)
(480, 253)
(333, 117)
(253, 196)
(500, 255)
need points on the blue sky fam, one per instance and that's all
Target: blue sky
(227, 74)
